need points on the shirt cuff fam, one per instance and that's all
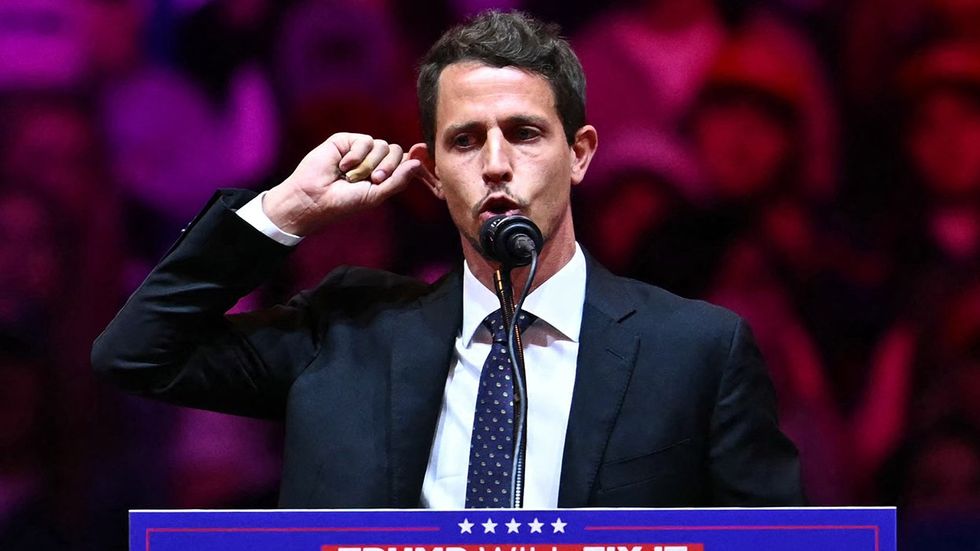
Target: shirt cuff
(253, 214)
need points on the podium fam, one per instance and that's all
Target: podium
(757, 529)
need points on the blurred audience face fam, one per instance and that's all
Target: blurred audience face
(245, 13)
(29, 257)
(20, 400)
(960, 396)
(623, 219)
(944, 143)
(957, 16)
(744, 149)
(945, 476)
(113, 34)
(51, 148)
(221, 460)
(788, 229)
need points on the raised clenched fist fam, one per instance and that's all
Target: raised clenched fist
(345, 174)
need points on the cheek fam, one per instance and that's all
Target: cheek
(455, 172)
(460, 202)
(459, 209)
(551, 178)
(456, 193)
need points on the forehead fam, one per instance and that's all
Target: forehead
(474, 91)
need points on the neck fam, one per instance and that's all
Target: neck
(558, 250)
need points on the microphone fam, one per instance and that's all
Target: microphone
(510, 240)
(514, 241)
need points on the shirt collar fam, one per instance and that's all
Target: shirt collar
(558, 301)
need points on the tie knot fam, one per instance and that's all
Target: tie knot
(495, 323)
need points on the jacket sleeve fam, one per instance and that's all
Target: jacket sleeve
(173, 341)
(752, 462)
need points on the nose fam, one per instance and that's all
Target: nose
(497, 167)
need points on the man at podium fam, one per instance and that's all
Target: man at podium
(396, 393)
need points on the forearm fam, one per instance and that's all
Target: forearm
(166, 338)
(172, 340)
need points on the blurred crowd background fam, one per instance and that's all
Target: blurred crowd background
(813, 165)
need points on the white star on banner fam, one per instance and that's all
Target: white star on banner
(466, 527)
(536, 525)
(512, 526)
(558, 526)
(489, 526)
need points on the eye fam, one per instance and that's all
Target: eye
(526, 133)
(463, 141)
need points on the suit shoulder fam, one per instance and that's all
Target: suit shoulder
(653, 306)
(659, 300)
(699, 338)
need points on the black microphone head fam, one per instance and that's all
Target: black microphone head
(510, 239)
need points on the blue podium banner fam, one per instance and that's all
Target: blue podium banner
(805, 529)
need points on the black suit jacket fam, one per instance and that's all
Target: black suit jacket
(672, 405)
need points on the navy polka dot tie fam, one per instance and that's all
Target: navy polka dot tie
(492, 443)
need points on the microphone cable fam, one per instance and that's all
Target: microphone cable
(520, 391)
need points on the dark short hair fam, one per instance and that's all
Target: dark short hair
(506, 39)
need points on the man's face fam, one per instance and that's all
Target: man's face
(943, 142)
(743, 149)
(500, 149)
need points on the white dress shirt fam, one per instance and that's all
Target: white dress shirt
(550, 355)
(253, 214)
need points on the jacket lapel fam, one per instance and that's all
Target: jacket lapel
(420, 361)
(606, 357)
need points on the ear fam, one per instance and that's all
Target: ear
(420, 152)
(582, 150)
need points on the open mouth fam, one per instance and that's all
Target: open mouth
(496, 205)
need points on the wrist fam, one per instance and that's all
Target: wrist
(252, 213)
(289, 209)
